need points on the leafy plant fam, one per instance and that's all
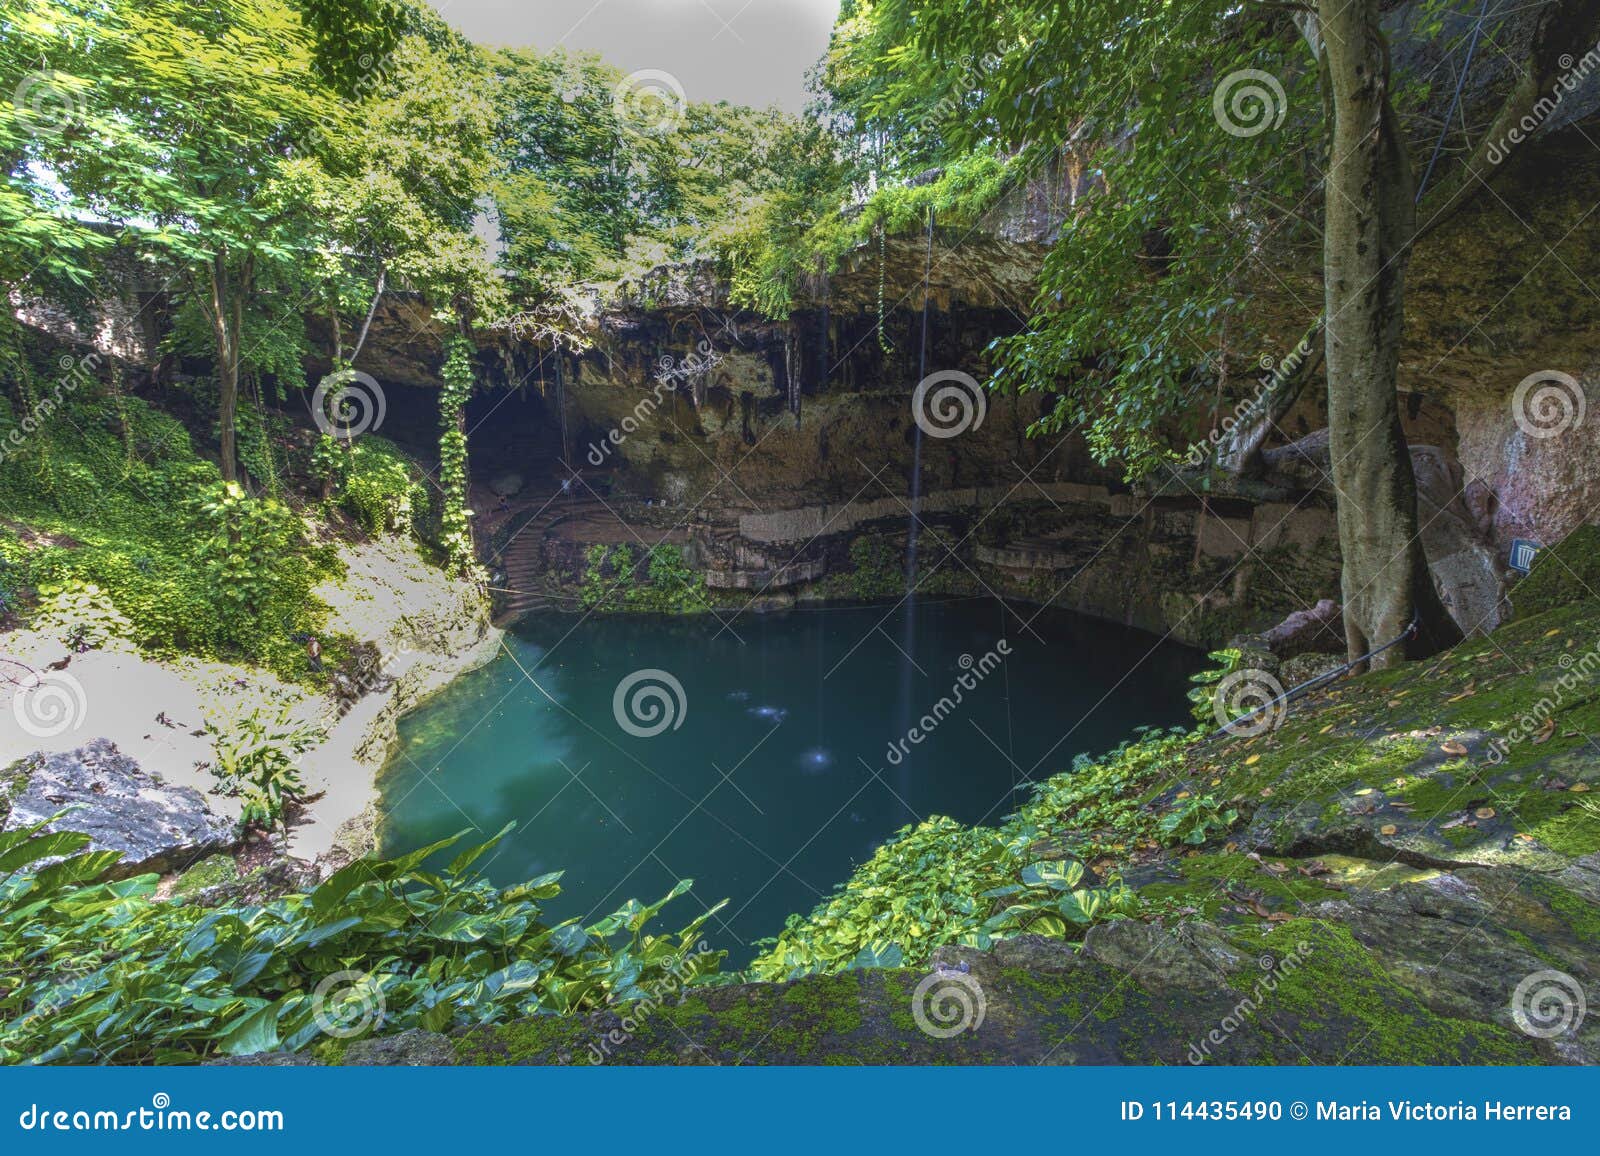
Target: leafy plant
(1196, 820)
(455, 516)
(378, 488)
(939, 883)
(105, 973)
(242, 554)
(81, 615)
(610, 580)
(258, 757)
(1203, 695)
(145, 550)
(673, 585)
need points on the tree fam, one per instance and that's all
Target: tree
(1197, 132)
(1370, 224)
(193, 115)
(44, 248)
(398, 190)
(200, 130)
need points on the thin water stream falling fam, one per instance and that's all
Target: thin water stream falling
(908, 663)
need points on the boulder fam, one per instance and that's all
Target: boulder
(1538, 482)
(120, 806)
(413, 1048)
(507, 485)
(1466, 567)
(1464, 561)
(263, 1060)
(1319, 630)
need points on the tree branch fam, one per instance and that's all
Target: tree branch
(377, 295)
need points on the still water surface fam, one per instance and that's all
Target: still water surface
(787, 760)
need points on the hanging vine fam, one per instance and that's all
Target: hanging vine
(883, 277)
(455, 519)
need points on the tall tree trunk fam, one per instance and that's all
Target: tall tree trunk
(1370, 221)
(225, 311)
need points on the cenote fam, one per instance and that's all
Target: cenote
(778, 775)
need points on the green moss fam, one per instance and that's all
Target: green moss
(531, 1040)
(1205, 878)
(803, 1019)
(1575, 832)
(209, 872)
(1338, 987)
(13, 781)
(1576, 912)
(1567, 572)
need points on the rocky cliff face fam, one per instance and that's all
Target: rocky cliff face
(689, 407)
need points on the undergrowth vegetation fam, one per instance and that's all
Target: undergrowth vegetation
(940, 882)
(104, 972)
(611, 580)
(113, 528)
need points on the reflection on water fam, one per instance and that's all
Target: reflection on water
(791, 761)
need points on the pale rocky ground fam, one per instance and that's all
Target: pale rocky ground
(427, 627)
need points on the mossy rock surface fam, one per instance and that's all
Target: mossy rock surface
(1489, 754)
(13, 781)
(1421, 973)
(212, 871)
(1563, 574)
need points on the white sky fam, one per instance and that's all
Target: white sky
(753, 52)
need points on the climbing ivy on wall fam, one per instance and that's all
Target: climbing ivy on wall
(456, 528)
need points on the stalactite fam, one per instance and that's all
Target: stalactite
(791, 370)
(559, 383)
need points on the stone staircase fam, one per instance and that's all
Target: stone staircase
(521, 557)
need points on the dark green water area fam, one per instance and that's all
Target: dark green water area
(776, 753)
